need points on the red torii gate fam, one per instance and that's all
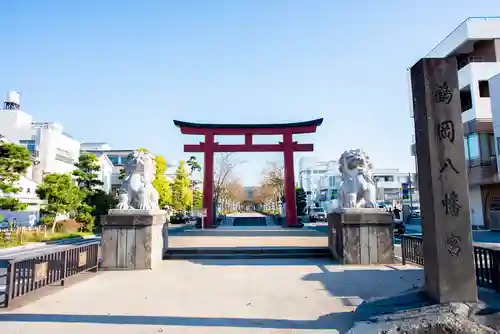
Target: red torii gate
(287, 146)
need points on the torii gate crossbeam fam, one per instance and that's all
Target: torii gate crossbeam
(287, 146)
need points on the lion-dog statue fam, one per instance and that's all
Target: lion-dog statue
(137, 190)
(357, 189)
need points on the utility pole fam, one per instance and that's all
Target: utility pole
(410, 191)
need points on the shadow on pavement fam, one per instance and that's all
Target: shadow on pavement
(367, 284)
(335, 321)
(387, 292)
(352, 286)
(265, 262)
(256, 232)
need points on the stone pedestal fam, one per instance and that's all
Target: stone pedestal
(361, 236)
(133, 239)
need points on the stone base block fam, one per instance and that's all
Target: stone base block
(133, 241)
(361, 236)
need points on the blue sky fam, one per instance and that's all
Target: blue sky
(120, 71)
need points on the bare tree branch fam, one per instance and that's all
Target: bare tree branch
(223, 175)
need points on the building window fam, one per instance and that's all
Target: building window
(484, 88)
(64, 159)
(466, 149)
(115, 160)
(331, 181)
(64, 156)
(466, 99)
(479, 149)
(29, 144)
(473, 146)
(384, 178)
(487, 149)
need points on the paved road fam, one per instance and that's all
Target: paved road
(214, 296)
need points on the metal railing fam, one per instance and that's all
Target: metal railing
(38, 269)
(486, 260)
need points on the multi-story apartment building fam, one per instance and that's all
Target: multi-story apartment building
(387, 181)
(476, 46)
(56, 150)
(311, 171)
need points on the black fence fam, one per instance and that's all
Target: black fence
(46, 267)
(487, 260)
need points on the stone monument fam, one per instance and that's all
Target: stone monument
(444, 200)
(135, 234)
(358, 231)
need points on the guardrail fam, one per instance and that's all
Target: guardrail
(35, 270)
(486, 260)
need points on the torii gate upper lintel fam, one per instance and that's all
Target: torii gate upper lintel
(287, 146)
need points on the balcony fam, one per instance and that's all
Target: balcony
(482, 172)
(476, 70)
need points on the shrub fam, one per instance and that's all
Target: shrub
(68, 226)
(87, 220)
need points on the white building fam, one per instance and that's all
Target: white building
(311, 172)
(117, 158)
(27, 195)
(388, 182)
(57, 151)
(476, 46)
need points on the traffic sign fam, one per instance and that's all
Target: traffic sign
(406, 191)
(334, 194)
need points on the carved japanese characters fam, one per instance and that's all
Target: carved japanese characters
(137, 191)
(357, 189)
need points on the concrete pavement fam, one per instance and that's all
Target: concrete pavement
(227, 235)
(214, 296)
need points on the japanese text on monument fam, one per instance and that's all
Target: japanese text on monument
(446, 132)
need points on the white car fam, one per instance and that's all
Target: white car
(317, 214)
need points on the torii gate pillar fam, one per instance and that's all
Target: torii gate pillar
(209, 147)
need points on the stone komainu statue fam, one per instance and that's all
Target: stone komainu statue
(357, 189)
(137, 190)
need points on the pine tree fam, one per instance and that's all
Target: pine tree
(14, 162)
(95, 201)
(87, 173)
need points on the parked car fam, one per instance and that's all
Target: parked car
(317, 214)
(399, 227)
(179, 218)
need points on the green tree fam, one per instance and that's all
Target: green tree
(193, 164)
(198, 200)
(301, 198)
(161, 184)
(87, 176)
(87, 173)
(14, 162)
(122, 174)
(102, 202)
(63, 196)
(180, 187)
(187, 199)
